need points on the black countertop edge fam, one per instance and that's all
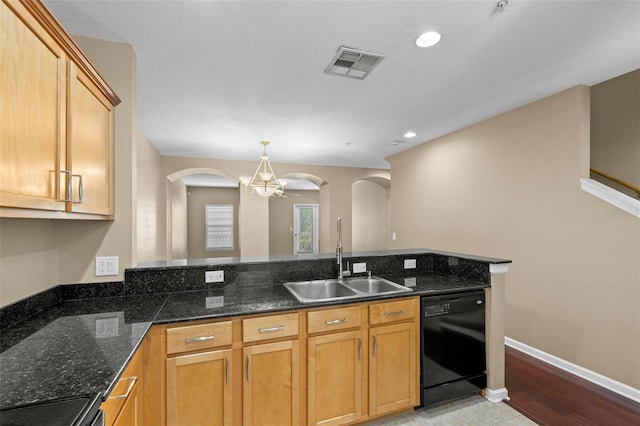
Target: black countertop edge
(163, 264)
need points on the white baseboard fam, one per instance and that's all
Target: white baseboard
(596, 378)
(496, 395)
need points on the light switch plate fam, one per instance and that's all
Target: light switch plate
(359, 267)
(106, 265)
(214, 277)
(409, 264)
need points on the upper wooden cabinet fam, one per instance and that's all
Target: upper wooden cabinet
(56, 123)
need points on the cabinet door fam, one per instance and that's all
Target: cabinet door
(393, 368)
(199, 389)
(271, 385)
(130, 414)
(32, 113)
(334, 378)
(90, 146)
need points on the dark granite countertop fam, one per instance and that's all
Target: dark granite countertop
(80, 347)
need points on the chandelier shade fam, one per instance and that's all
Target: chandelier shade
(264, 181)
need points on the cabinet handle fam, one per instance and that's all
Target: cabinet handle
(198, 339)
(132, 381)
(68, 186)
(336, 321)
(80, 189)
(226, 369)
(248, 368)
(359, 348)
(375, 345)
(392, 314)
(271, 329)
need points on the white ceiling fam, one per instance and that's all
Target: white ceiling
(217, 77)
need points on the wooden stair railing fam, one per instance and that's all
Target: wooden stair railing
(616, 180)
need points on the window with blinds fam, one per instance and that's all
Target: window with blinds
(219, 224)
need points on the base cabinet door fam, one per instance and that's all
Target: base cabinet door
(393, 368)
(334, 378)
(130, 414)
(271, 384)
(199, 390)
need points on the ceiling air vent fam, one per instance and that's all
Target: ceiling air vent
(353, 63)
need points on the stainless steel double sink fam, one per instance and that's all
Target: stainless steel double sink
(347, 288)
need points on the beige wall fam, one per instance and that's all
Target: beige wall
(151, 219)
(509, 187)
(369, 216)
(615, 129)
(281, 219)
(197, 198)
(28, 257)
(177, 218)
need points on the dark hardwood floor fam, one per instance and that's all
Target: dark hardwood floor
(551, 396)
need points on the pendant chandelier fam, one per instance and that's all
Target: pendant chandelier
(264, 180)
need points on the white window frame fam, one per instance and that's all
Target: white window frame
(219, 226)
(296, 228)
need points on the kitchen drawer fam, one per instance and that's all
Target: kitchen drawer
(271, 327)
(198, 337)
(392, 311)
(333, 319)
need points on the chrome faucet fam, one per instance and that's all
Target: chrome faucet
(339, 249)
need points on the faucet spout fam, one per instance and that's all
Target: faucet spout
(339, 250)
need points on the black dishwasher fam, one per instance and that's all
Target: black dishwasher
(453, 361)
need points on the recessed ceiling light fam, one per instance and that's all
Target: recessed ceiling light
(410, 134)
(428, 39)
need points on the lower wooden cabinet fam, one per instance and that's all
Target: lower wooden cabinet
(333, 366)
(393, 368)
(199, 389)
(334, 378)
(271, 384)
(131, 414)
(124, 405)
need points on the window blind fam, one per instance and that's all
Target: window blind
(219, 223)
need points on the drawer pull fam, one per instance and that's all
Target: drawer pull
(271, 329)
(248, 368)
(132, 381)
(336, 321)
(198, 339)
(392, 314)
(375, 345)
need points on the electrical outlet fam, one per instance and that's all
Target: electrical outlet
(106, 327)
(214, 302)
(410, 282)
(409, 264)
(359, 267)
(214, 277)
(106, 265)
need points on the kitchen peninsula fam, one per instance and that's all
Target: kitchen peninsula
(82, 342)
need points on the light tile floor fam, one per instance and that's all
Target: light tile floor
(470, 411)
